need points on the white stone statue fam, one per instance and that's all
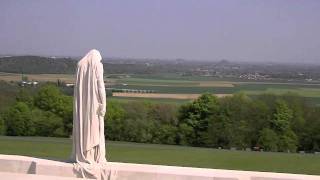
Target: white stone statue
(88, 152)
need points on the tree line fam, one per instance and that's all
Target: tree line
(279, 123)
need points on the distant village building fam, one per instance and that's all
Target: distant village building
(70, 84)
(30, 83)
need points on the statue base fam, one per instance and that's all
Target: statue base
(23, 167)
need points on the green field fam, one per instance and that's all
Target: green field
(145, 81)
(149, 100)
(172, 83)
(60, 148)
(197, 86)
(176, 84)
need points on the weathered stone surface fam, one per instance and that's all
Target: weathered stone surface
(22, 167)
(271, 178)
(222, 178)
(19, 176)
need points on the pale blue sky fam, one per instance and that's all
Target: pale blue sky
(250, 30)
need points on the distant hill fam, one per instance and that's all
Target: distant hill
(37, 65)
(46, 65)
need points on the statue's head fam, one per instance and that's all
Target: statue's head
(92, 57)
(95, 55)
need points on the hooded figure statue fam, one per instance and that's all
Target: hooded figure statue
(88, 151)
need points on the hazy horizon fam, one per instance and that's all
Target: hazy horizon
(236, 30)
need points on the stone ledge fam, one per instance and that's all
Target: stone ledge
(17, 166)
(19, 176)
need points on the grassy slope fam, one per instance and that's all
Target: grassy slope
(60, 148)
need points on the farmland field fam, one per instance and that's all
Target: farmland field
(310, 91)
(158, 95)
(68, 78)
(185, 87)
(60, 148)
(150, 100)
(172, 82)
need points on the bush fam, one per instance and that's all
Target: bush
(50, 98)
(2, 126)
(185, 134)
(268, 140)
(196, 115)
(288, 142)
(47, 123)
(114, 121)
(19, 120)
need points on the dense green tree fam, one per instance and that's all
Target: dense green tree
(258, 119)
(164, 113)
(67, 114)
(310, 137)
(50, 98)
(185, 134)
(288, 142)
(299, 109)
(272, 122)
(47, 124)
(164, 118)
(229, 126)
(196, 115)
(167, 134)
(268, 140)
(2, 126)
(19, 120)
(24, 95)
(114, 120)
(220, 131)
(137, 126)
(8, 93)
(281, 117)
(281, 124)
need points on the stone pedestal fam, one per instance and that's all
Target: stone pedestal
(22, 167)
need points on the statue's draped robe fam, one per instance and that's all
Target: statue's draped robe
(88, 152)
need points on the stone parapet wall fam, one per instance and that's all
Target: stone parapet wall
(16, 167)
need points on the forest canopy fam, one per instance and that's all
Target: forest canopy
(284, 123)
